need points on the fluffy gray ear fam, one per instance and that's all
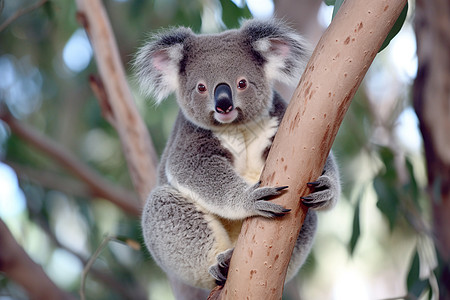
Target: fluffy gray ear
(284, 52)
(157, 63)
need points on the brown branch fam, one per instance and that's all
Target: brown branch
(51, 180)
(431, 97)
(20, 13)
(99, 90)
(19, 267)
(136, 143)
(303, 142)
(431, 102)
(98, 186)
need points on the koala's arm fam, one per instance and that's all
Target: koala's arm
(201, 169)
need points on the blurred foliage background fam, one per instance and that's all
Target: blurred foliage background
(369, 247)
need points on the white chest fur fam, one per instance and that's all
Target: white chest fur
(247, 143)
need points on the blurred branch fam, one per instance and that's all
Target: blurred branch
(99, 90)
(51, 180)
(19, 267)
(113, 89)
(97, 185)
(20, 13)
(431, 97)
(131, 293)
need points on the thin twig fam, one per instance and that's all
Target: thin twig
(134, 291)
(20, 13)
(407, 297)
(91, 261)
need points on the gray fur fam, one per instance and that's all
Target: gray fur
(208, 176)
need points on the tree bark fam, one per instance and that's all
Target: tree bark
(332, 76)
(432, 105)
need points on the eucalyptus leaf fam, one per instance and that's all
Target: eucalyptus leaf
(396, 28)
(48, 8)
(232, 14)
(356, 232)
(385, 185)
(415, 285)
(337, 5)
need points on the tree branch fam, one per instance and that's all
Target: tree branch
(303, 142)
(98, 186)
(20, 13)
(431, 97)
(51, 180)
(136, 143)
(18, 266)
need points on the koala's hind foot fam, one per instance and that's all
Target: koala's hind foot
(220, 270)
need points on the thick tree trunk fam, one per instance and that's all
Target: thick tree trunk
(432, 105)
(301, 146)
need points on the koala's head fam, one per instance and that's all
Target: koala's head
(222, 78)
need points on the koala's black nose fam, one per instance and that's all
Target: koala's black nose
(223, 98)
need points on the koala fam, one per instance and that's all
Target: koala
(210, 168)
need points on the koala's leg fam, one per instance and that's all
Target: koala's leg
(182, 239)
(303, 246)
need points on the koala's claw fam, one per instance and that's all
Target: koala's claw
(313, 184)
(219, 271)
(314, 204)
(307, 199)
(270, 210)
(282, 188)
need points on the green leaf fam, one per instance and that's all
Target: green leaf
(337, 5)
(411, 187)
(385, 185)
(329, 2)
(414, 284)
(396, 28)
(356, 229)
(48, 8)
(232, 14)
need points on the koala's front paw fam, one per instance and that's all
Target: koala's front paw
(258, 199)
(219, 271)
(324, 193)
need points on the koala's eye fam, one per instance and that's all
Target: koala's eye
(201, 88)
(242, 84)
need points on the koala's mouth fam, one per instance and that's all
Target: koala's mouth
(226, 117)
(234, 116)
